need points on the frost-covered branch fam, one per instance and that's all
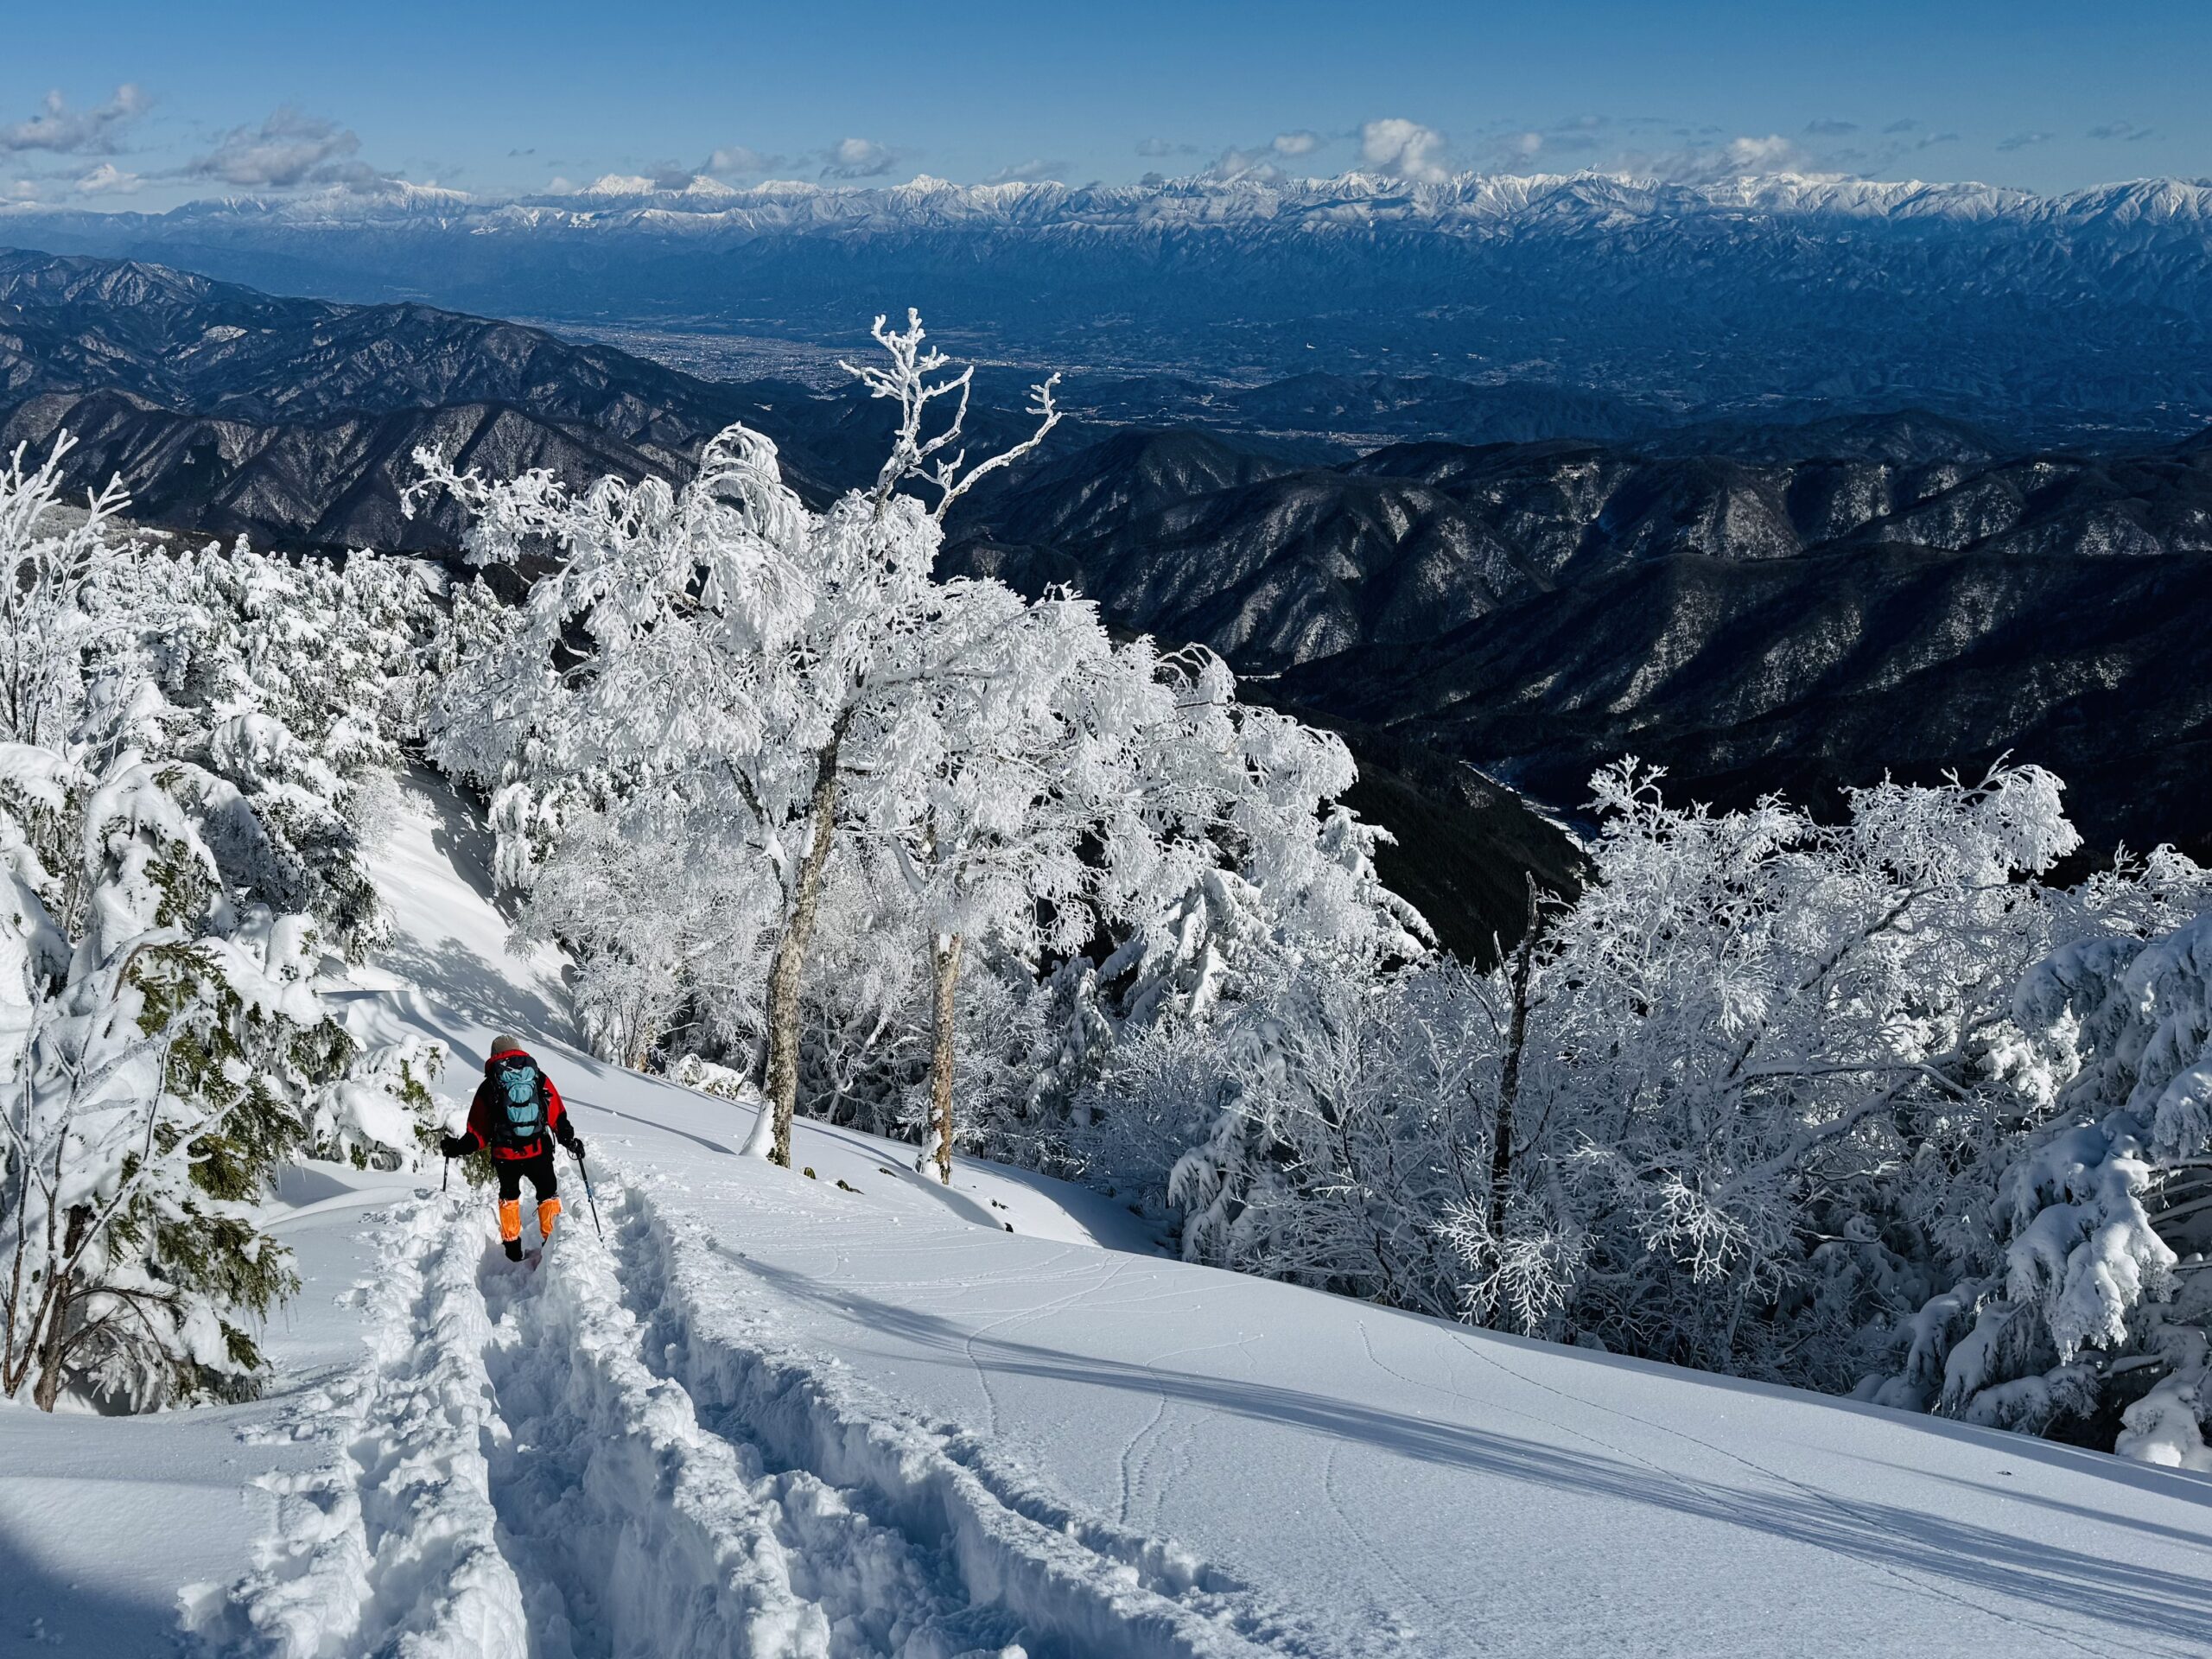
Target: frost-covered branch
(914, 454)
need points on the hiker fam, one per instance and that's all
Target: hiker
(519, 1115)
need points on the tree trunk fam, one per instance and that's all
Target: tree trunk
(48, 1389)
(945, 950)
(791, 950)
(643, 1033)
(53, 1341)
(1509, 1083)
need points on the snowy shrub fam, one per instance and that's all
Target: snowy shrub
(165, 1054)
(294, 681)
(380, 1114)
(708, 1078)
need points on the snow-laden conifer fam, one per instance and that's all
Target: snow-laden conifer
(161, 1049)
(2077, 1301)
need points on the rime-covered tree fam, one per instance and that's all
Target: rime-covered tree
(1757, 1046)
(722, 640)
(1017, 812)
(1750, 1102)
(1228, 861)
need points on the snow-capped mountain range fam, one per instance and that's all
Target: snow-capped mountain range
(1471, 203)
(2056, 315)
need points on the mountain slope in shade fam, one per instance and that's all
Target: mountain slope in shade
(231, 410)
(1539, 610)
(189, 343)
(333, 482)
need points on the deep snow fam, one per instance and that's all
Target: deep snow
(776, 1416)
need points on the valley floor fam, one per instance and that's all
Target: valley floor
(857, 1415)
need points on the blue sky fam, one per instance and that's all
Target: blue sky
(147, 104)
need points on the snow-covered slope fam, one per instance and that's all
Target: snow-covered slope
(854, 1414)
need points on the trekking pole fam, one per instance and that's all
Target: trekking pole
(584, 1171)
(445, 1180)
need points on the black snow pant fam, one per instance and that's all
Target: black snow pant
(544, 1181)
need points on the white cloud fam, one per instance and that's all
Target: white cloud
(1158, 147)
(1745, 155)
(741, 161)
(289, 147)
(1565, 143)
(1771, 154)
(1029, 172)
(1402, 149)
(108, 179)
(76, 132)
(1253, 161)
(2126, 132)
(1235, 163)
(858, 158)
(18, 190)
(2023, 140)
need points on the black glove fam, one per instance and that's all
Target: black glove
(456, 1146)
(576, 1145)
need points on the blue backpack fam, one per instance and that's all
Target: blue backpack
(522, 1098)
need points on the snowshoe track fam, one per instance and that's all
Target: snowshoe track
(636, 1529)
(392, 1546)
(605, 1459)
(1079, 1586)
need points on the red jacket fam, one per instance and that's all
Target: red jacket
(481, 1121)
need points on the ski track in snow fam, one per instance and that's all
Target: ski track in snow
(1090, 1287)
(1137, 1452)
(615, 1455)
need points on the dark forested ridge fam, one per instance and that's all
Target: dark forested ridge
(233, 411)
(1795, 624)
